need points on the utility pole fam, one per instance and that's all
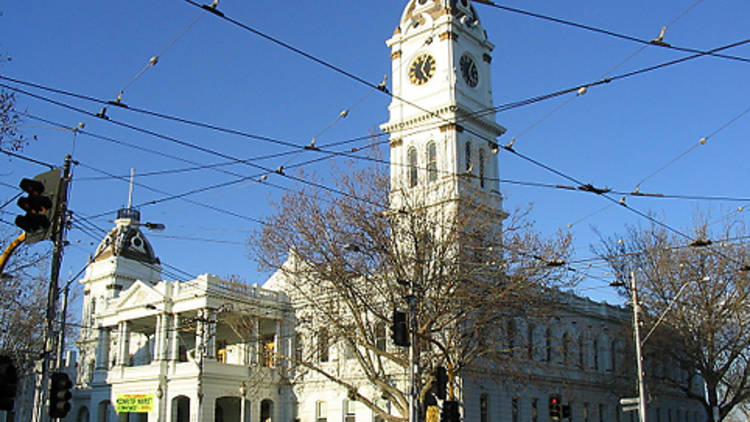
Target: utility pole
(58, 237)
(61, 333)
(638, 353)
(413, 364)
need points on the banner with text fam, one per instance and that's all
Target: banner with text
(134, 403)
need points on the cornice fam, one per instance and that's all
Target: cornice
(440, 117)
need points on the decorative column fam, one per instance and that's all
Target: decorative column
(175, 338)
(102, 349)
(255, 342)
(276, 344)
(199, 337)
(211, 333)
(123, 354)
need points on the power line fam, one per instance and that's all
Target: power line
(659, 42)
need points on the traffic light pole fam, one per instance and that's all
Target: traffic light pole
(638, 354)
(413, 365)
(58, 237)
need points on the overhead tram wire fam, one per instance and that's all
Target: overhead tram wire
(198, 166)
(645, 216)
(233, 162)
(185, 143)
(348, 74)
(582, 91)
(700, 142)
(478, 113)
(211, 207)
(607, 80)
(655, 42)
(317, 185)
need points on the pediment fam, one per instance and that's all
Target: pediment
(138, 295)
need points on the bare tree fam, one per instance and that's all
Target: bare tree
(350, 258)
(698, 296)
(22, 311)
(11, 137)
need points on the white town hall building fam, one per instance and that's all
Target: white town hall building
(205, 350)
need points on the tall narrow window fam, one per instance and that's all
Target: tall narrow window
(548, 344)
(431, 162)
(483, 411)
(510, 333)
(514, 408)
(323, 345)
(581, 351)
(380, 336)
(481, 167)
(298, 347)
(585, 412)
(321, 414)
(412, 158)
(565, 349)
(349, 411)
(530, 345)
(467, 155)
(613, 356)
(596, 354)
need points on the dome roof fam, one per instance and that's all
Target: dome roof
(416, 11)
(126, 240)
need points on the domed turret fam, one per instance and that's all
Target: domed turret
(126, 240)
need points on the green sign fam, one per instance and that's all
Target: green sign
(134, 403)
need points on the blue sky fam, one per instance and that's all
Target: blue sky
(217, 73)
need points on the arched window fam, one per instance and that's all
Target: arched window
(412, 158)
(431, 162)
(481, 167)
(565, 349)
(467, 155)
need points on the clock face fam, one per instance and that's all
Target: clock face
(469, 70)
(422, 69)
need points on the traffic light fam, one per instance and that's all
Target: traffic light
(59, 395)
(566, 411)
(555, 406)
(8, 383)
(441, 382)
(39, 205)
(399, 329)
(450, 411)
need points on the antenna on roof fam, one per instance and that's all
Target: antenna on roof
(130, 190)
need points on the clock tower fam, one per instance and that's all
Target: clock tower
(442, 123)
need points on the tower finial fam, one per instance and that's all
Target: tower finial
(130, 189)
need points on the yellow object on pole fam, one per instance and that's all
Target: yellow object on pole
(10, 249)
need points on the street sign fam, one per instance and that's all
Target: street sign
(625, 401)
(629, 404)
